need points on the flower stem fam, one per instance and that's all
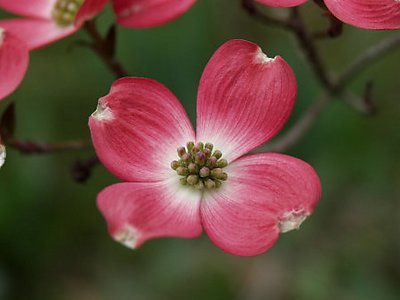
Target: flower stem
(101, 46)
(306, 42)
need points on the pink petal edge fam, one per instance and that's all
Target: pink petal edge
(265, 194)
(36, 33)
(282, 3)
(14, 60)
(137, 128)
(370, 14)
(29, 8)
(149, 13)
(244, 98)
(136, 212)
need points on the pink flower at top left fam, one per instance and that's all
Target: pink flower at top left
(46, 21)
(43, 22)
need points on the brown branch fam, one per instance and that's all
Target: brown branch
(302, 125)
(364, 104)
(7, 129)
(334, 30)
(306, 42)
(365, 59)
(104, 48)
(30, 147)
(296, 25)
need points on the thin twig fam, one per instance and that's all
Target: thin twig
(30, 147)
(365, 60)
(364, 104)
(334, 30)
(306, 42)
(101, 47)
(303, 124)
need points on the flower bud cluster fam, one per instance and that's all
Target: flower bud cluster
(200, 166)
(64, 11)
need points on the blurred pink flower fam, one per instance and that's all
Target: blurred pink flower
(46, 21)
(49, 20)
(13, 64)
(368, 14)
(179, 182)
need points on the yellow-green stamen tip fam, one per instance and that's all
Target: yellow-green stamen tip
(65, 11)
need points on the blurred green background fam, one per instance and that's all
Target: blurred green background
(53, 240)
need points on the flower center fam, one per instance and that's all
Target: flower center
(200, 166)
(64, 11)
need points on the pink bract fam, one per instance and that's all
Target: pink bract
(367, 14)
(244, 99)
(149, 13)
(14, 59)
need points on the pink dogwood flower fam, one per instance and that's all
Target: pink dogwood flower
(179, 182)
(13, 63)
(367, 14)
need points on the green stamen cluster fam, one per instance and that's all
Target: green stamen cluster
(200, 166)
(64, 11)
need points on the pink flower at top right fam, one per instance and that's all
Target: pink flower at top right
(367, 14)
